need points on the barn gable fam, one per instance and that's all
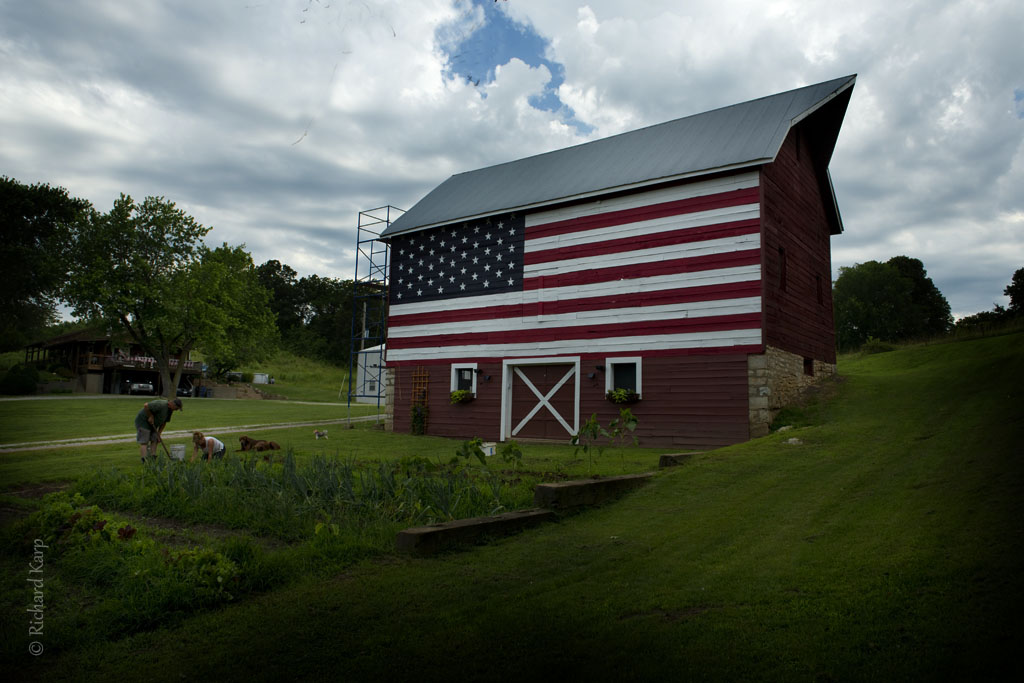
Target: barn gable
(686, 262)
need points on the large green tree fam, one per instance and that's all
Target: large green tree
(36, 222)
(931, 313)
(143, 267)
(890, 301)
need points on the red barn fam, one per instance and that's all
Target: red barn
(687, 264)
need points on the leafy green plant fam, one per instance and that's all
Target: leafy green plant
(587, 439)
(472, 449)
(622, 396)
(511, 454)
(420, 412)
(461, 396)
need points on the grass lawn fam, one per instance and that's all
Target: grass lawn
(28, 420)
(885, 544)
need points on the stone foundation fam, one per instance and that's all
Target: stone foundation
(776, 379)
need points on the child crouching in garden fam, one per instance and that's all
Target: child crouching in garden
(211, 446)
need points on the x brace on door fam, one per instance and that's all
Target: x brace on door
(545, 401)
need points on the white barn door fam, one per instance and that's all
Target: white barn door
(541, 398)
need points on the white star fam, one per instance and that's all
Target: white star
(421, 247)
(452, 279)
(463, 254)
(421, 262)
(498, 273)
(511, 282)
(463, 271)
(462, 286)
(419, 292)
(399, 295)
(430, 267)
(501, 224)
(476, 245)
(487, 266)
(440, 290)
(432, 236)
(476, 229)
(512, 232)
(420, 278)
(487, 251)
(442, 243)
(501, 241)
(474, 276)
(511, 247)
(486, 283)
(464, 239)
(409, 285)
(475, 259)
(452, 263)
(430, 282)
(487, 236)
(498, 257)
(431, 252)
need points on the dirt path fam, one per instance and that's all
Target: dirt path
(169, 434)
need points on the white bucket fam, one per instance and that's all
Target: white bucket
(488, 448)
(177, 452)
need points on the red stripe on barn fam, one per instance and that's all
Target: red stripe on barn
(649, 241)
(718, 323)
(729, 290)
(749, 195)
(732, 259)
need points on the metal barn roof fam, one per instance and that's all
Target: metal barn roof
(737, 136)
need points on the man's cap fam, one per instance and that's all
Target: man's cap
(177, 402)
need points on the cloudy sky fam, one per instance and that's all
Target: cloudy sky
(277, 121)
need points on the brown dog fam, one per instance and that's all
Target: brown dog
(250, 444)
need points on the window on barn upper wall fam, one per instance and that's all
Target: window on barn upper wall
(464, 377)
(624, 373)
(782, 268)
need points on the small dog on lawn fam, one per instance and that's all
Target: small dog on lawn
(320, 434)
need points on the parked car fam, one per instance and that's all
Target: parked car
(140, 388)
(184, 389)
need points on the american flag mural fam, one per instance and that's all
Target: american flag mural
(667, 271)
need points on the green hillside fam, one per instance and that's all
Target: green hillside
(878, 539)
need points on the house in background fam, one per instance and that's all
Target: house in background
(101, 363)
(687, 263)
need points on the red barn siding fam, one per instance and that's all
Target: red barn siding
(480, 417)
(794, 219)
(688, 401)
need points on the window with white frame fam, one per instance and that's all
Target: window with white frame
(464, 377)
(624, 373)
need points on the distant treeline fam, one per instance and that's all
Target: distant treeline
(315, 314)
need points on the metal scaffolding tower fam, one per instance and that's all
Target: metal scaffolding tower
(369, 308)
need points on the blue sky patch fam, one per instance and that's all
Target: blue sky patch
(494, 41)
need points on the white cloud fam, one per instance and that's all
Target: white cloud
(278, 122)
